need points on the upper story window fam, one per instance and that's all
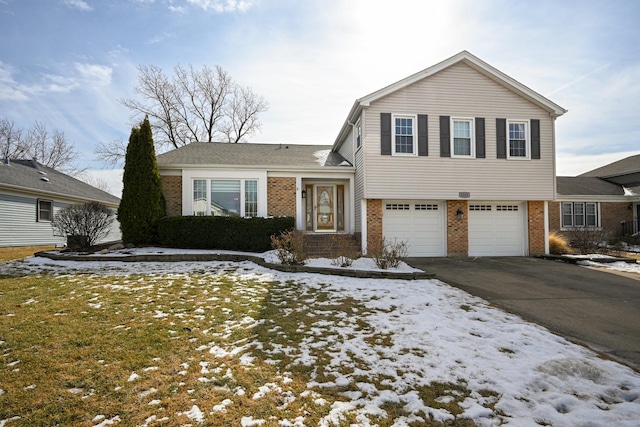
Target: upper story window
(579, 214)
(518, 140)
(462, 143)
(225, 197)
(404, 135)
(358, 135)
(45, 210)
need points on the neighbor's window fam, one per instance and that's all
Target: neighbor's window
(518, 139)
(403, 135)
(225, 197)
(462, 138)
(45, 210)
(579, 214)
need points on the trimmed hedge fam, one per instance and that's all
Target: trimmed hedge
(221, 232)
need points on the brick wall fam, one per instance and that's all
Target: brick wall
(172, 190)
(281, 196)
(536, 228)
(611, 213)
(457, 230)
(374, 222)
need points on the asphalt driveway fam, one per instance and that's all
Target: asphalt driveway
(596, 308)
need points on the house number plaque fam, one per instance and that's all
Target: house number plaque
(464, 195)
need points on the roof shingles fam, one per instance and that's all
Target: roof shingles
(31, 176)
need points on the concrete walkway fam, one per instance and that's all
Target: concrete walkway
(593, 307)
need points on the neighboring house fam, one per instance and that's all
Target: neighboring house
(607, 198)
(30, 196)
(457, 159)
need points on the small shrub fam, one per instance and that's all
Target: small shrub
(387, 254)
(345, 254)
(588, 240)
(558, 245)
(289, 246)
(84, 224)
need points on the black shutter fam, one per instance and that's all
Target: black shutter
(423, 137)
(480, 152)
(535, 138)
(385, 134)
(445, 137)
(501, 138)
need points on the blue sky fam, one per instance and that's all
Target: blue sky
(66, 63)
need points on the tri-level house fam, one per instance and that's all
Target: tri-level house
(457, 159)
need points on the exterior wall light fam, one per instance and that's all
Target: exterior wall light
(460, 214)
(304, 194)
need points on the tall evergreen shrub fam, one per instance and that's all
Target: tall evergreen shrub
(142, 204)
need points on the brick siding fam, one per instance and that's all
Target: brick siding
(374, 222)
(457, 230)
(172, 190)
(611, 214)
(536, 228)
(281, 196)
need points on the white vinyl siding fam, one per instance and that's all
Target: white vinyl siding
(19, 225)
(458, 91)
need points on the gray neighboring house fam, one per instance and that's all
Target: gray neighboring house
(607, 197)
(30, 196)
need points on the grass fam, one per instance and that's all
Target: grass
(10, 254)
(79, 349)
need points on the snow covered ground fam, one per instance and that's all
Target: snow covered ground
(435, 333)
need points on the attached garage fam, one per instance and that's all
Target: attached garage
(420, 223)
(497, 229)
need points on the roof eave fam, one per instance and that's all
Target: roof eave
(479, 65)
(37, 192)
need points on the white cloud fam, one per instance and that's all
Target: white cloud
(98, 75)
(9, 88)
(572, 165)
(78, 4)
(220, 6)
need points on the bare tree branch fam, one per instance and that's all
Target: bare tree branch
(50, 149)
(12, 145)
(194, 105)
(111, 153)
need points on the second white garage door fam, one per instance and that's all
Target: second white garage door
(420, 224)
(496, 229)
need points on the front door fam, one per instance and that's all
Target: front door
(325, 219)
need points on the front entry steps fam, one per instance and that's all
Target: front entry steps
(318, 245)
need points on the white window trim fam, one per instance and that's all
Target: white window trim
(208, 193)
(563, 226)
(527, 145)
(473, 137)
(38, 218)
(414, 127)
(188, 176)
(357, 128)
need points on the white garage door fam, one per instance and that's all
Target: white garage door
(420, 224)
(496, 229)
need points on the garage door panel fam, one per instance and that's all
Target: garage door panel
(496, 229)
(417, 223)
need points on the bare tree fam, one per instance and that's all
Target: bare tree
(50, 149)
(12, 145)
(111, 153)
(204, 105)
